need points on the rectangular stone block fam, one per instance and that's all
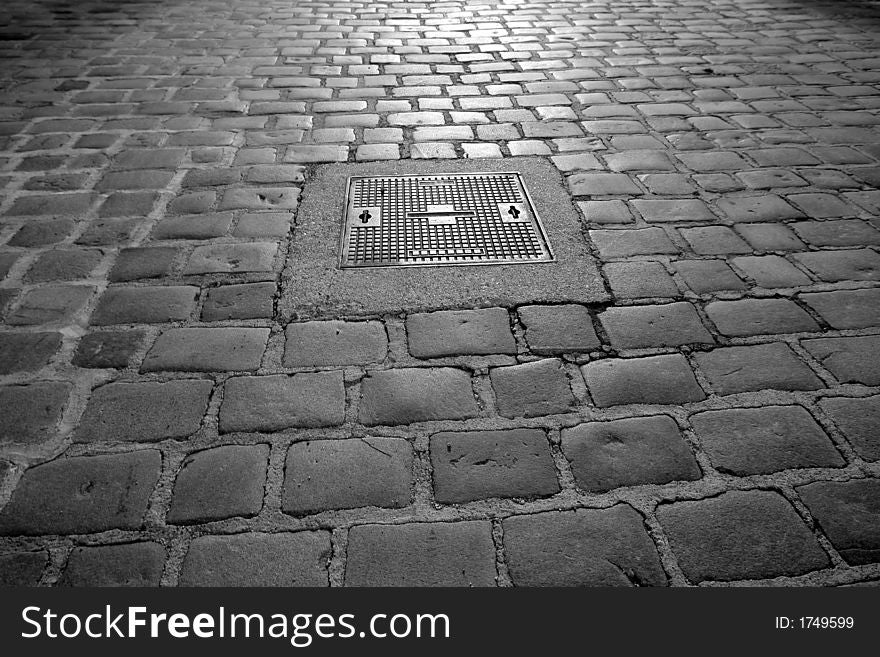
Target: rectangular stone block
(277, 402)
(207, 350)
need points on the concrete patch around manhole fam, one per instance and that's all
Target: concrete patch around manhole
(315, 286)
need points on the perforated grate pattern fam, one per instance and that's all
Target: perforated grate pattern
(448, 219)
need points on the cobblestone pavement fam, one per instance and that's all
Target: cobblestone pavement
(717, 421)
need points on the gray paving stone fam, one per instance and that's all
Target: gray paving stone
(625, 243)
(749, 209)
(193, 227)
(474, 465)
(277, 402)
(454, 332)
(128, 564)
(107, 349)
(144, 411)
(859, 420)
(561, 329)
(596, 184)
(82, 494)
(759, 317)
(32, 411)
(714, 240)
(26, 352)
(421, 554)
(706, 276)
(634, 280)
(850, 360)
(667, 325)
(664, 379)
(846, 309)
(849, 514)
(218, 483)
(771, 271)
(747, 441)
(258, 559)
(232, 258)
(758, 367)
(49, 305)
(207, 350)
(662, 211)
(145, 305)
(532, 389)
(846, 265)
(629, 452)
(845, 232)
(246, 301)
(322, 475)
(321, 344)
(143, 262)
(585, 547)
(404, 396)
(42, 233)
(22, 568)
(64, 265)
(740, 535)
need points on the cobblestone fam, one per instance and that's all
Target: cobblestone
(752, 534)
(82, 494)
(150, 245)
(273, 403)
(347, 474)
(219, 483)
(421, 554)
(404, 396)
(584, 547)
(481, 464)
(607, 455)
(258, 559)
(848, 513)
(128, 564)
(746, 441)
(449, 333)
(144, 412)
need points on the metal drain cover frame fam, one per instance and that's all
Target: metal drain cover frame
(423, 220)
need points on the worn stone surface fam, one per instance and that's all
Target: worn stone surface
(532, 389)
(652, 380)
(646, 450)
(849, 514)
(740, 535)
(128, 564)
(219, 483)
(859, 420)
(111, 349)
(585, 547)
(82, 494)
(346, 474)
(273, 403)
(404, 396)
(758, 367)
(22, 568)
(207, 350)
(258, 559)
(449, 333)
(421, 554)
(746, 441)
(707, 176)
(31, 412)
(321, 344)
(144, 412)
(475, 465)
(558, 329)
(20, 352)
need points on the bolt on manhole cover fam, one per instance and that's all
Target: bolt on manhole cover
(446, 219)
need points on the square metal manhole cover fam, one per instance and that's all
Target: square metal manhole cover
(446, 219)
